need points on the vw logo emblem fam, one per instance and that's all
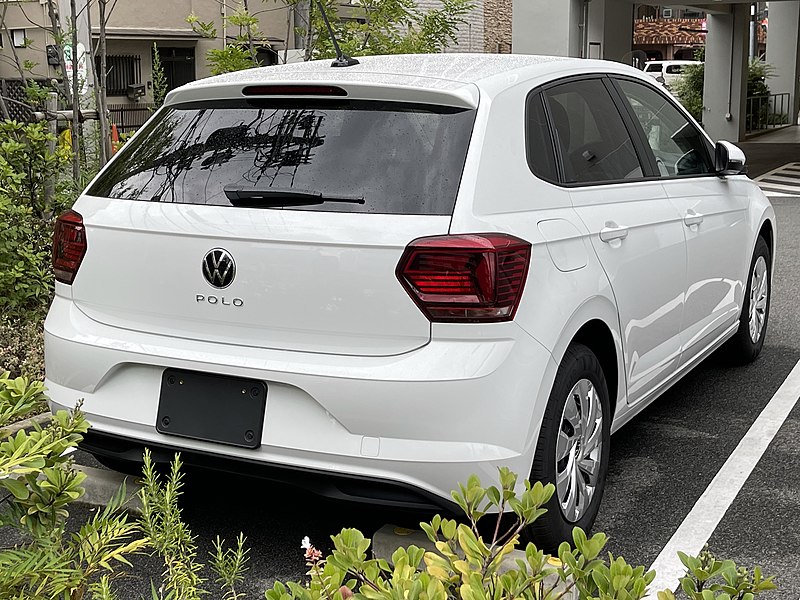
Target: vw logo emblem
(219, 268)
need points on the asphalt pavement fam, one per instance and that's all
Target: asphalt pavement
(661, 464)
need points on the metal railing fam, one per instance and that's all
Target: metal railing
(763, 113)
(129, 117)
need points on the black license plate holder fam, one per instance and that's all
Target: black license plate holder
(213, 408)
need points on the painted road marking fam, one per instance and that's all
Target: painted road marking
(702, 520)
(783, 181)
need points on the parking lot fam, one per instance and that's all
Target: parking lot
(661, 464)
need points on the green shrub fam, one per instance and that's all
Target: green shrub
(26, 277)
(467, 567)
(26, 163)
(26, 216)
(22, 348)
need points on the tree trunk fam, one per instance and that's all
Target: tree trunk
(76, 103)
(309, 30)
(3, 107)
(102, 111)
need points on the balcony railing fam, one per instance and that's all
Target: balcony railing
(766, 112)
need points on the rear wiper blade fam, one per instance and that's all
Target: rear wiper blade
(273, 197)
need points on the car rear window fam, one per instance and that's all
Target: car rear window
(400, 158)
(674, 69)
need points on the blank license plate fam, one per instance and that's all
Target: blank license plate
(212, 408)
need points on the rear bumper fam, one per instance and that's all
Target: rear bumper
(337, 486)
(469, 401)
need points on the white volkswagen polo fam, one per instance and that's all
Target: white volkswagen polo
(376, 280)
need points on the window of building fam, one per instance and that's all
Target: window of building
(178, 65)
(17, 37)
(679, 148)
(122, 70)
(594, 143)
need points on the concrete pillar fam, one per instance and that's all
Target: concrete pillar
(547, 27)
(555, 28)
(783, 52)
(611, 24)
(725, 86)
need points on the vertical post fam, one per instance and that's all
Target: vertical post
(105, 131)
(51, 106)
(76, 103)
(725, 85)
(783, 52)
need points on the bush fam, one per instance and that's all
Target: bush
(26, 277)
(467, 567)
(26, 225)
(22, 348)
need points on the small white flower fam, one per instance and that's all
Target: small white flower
(306, 543)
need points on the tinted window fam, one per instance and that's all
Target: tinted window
(539, 144)
(651, 68)
(674, 69)
(591, 135)
(400, 158)
(679, 147)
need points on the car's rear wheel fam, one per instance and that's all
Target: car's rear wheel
(572, 452)
(748, 340)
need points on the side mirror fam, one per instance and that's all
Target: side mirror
(729, 159)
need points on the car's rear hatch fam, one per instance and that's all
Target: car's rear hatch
(275, 222)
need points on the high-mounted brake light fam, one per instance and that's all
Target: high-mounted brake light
(69, 246)
(466, 278)
(293, 90)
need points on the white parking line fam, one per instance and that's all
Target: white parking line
(782, 181)
(702, 520)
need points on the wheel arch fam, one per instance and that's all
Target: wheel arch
(767, 231)
(595, 324)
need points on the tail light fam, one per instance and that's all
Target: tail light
(69, 246)
(466, 278)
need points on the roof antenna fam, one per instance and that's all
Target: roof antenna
(342, 60)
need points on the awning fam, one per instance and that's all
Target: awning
(147, 33)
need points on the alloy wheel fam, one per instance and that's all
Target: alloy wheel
(759, 291)
(579, 449)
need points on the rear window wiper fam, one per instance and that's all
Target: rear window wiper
(274, 197)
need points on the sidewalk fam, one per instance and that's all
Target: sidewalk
(772, 150)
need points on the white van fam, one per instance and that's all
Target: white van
(668, 71)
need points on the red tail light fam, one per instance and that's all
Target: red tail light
(69, 246)
(466, 278)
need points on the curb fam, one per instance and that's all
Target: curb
(41, 420)
(101, 485)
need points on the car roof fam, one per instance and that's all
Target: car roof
(445, 74)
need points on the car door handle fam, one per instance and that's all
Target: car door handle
(612, 231)
(692, 218)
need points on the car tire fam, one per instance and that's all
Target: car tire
(572, 428)
(745, 345)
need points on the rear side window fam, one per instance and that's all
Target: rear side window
(541, 159)
(591, 136)
(674, 69)
(393, 158)
(652, 68)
